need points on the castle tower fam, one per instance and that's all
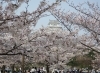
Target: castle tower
(54, 25)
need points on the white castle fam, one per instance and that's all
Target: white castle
(54, 25)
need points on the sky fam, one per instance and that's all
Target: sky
(33, 4)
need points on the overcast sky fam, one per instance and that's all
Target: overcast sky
(33, 4)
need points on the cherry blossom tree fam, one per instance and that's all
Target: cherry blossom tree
(86, 18)
(53, 47)
(15, 32)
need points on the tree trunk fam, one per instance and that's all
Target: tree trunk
(47, 68)
(22, 64)
(3, 69)
(12, 68)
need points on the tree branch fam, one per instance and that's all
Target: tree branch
(90, 48)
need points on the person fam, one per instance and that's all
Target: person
(41, 70)
(53, 71)
(38, 70)
(33, 70)
(44, 70)
(93, 71)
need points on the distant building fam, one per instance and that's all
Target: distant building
(53, 26)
